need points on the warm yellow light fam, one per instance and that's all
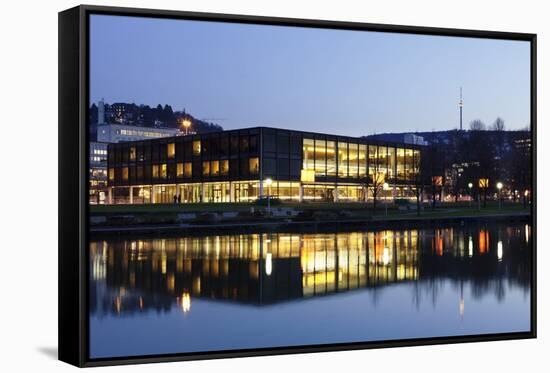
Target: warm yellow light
(118, 304)
(470, 185)
(484, 183)
(307, 176)
(185, 302)
(499, 185)
(268, 181)
(268, 264)
(379, 177)
(386, 186)
(319, 149)
(386, 256)
(186, 123)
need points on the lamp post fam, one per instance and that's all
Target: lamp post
(186, 123)
(386, 186)
(268, 182)
(470, 186)
(499, 187)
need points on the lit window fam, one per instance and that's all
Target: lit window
(331, 158)
(342, 159)
(308, 154)
(164, 171)
(187, 169)
(215, 168)
(171, 150)
(125, 173)
(205, 168)
(111, 174)
(132, 153)
(254, 166)
(353, 158)
(179, 170)
(155, 171)
(224, 167)
(307, 176)
(196, 147)
(320, 157)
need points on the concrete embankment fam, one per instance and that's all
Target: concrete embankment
(288, 220)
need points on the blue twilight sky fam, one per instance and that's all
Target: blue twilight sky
(346, 82)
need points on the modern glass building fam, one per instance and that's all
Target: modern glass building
(243, 165)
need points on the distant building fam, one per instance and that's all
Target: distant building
(98, 172)
(115, 133)
(523, 144)
(407, 138)
(122, 112)
(411, 138)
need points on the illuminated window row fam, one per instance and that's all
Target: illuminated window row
(182, 148)
(183, 170)
(351, 160)
(128, 132)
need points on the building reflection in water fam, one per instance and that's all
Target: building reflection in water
(262, 269)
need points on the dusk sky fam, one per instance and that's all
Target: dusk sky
(343, 82)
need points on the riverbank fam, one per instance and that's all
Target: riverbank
(121, 219)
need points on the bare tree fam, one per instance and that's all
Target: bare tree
(432, 166)
(477, 125)
(377, 185)
(375, 181)
(498, 124)
(420, 166)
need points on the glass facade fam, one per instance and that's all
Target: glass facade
(228, 167)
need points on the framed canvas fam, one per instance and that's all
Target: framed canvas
(235, 186)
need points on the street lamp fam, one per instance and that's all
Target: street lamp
(499, 187)
(470, 186)
(268, 182)
(386, 186)
(186, 123)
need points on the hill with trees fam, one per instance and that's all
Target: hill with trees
(147, 116)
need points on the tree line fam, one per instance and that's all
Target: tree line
(147, 116)
(487, 153)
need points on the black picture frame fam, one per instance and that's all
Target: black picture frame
(73, 181)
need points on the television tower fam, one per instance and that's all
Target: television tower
(460, 104)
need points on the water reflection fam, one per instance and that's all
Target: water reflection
(131, 276)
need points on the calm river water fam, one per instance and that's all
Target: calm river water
(223, 292)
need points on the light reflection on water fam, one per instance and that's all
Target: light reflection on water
(189, 294)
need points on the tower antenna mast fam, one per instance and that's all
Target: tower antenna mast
(460, 104)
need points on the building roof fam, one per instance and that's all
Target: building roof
(315, 135)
